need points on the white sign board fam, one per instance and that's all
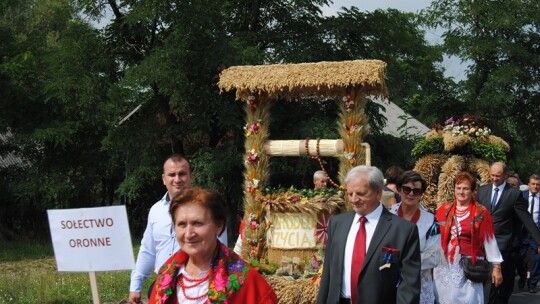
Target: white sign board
(293, 231)
(91, 239)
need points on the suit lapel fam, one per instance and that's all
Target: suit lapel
(342, 231)
(385, 221)
(503, 198)
(485, 196)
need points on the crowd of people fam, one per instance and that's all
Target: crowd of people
(468, 251)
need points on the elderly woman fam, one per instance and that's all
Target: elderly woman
(204, 270)
(466, 231)
(411, 186)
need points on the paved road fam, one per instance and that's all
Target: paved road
(523, 296)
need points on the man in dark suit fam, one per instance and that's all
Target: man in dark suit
(533, 199)
(508, 209)
(372, 256)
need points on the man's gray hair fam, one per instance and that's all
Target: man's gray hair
(319, 174)
(374, 176)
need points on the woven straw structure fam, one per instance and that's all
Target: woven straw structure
(289, 81)
(430, 167)
(351, 82)
(255, 175)
(292, 202)
(440, 170)
(293, 291)
(452, 142)
(499, 141)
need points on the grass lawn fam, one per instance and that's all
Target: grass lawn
(28, 275)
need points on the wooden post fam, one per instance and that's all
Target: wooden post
(93, 286)
(326, 147)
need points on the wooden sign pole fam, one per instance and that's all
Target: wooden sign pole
(93, 286)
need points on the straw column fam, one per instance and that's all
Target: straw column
(257, 108)
(353, 127)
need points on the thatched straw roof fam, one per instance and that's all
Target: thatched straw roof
(327, 79)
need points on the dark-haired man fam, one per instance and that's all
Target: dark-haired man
(508, 209)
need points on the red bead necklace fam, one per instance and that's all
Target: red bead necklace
(196, 282)
(461, 213)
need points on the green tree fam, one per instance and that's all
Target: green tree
(415, 78)
(56, 73)
(499, 42)
(66, 88)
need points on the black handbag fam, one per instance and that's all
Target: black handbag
(479, 272)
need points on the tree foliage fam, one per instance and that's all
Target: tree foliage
(499, 42)
(67, 87)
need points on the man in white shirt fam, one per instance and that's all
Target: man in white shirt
(159, 241)
(372, 256)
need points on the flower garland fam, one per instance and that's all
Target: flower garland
(472, 126)
(252, 157)
(348, 102)
(227, 274)
(252, 103)
(465, 136)
(252, 128)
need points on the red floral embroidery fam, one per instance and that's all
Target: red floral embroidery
(321, 229)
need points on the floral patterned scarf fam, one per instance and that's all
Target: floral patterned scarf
(228, 274)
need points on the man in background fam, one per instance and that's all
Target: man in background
(320, 180)
(159, 241)
(513, 182)
(533, 199)
(509, 210)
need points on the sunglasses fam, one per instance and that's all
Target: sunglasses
(415, 191)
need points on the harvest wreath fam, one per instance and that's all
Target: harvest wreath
(463, 144)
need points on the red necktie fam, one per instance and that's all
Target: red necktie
(359, 253)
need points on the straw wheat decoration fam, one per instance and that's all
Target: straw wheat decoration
(257, 110)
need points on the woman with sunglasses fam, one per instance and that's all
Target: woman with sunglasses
(411, 186)
(466, 231)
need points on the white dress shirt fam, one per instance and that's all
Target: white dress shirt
(194, 291)
(158, 243)
(371, 224)
(501, 187)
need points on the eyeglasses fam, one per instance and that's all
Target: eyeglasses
(415, 191)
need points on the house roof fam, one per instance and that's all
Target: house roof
(396, 117)
(9, 159)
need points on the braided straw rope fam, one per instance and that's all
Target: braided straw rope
(294, 203)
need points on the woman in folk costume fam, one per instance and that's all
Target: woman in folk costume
(204, 270)
(466, 230)
(411, 185)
